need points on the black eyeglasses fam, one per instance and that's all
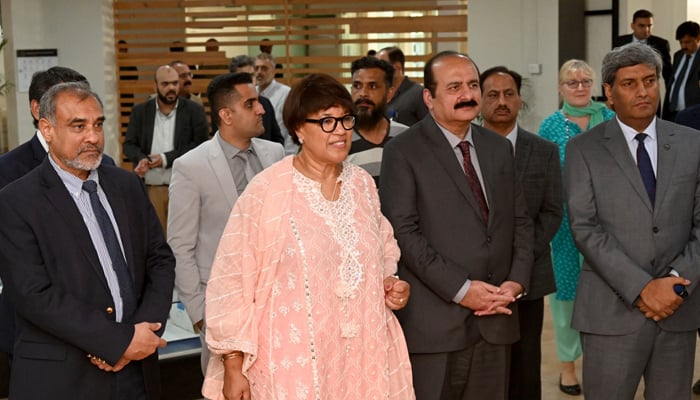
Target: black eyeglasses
(328, 124)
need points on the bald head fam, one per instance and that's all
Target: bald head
(167, 85)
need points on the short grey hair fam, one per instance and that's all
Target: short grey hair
(266, 56)
(47, 104)
(627, 56)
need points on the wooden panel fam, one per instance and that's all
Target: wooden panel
(308, 36)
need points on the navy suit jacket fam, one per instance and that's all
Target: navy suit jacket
(14, 165)
(692, 84)
(191, 129)
(661, 46)
(54, 278)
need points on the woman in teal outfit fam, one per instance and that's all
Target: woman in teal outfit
(578, 114)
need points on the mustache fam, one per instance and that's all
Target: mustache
(503, 108)
(90, 147)
(470, 103)
(365, 101)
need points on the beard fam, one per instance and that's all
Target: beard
(164, 98)
(85, 164)
(367, 117)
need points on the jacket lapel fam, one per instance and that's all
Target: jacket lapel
(523, 149)
(445, 156)
(222, 171)
(149, 124)
(59, 197)
(666, 159)
(620, 152)
(121, 216)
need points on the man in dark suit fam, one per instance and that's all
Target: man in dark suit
(88, 270)
(244, 63)
(539, 173)
(24, 158)
(642, 21)
(632, 195)
(684, 88)
(406, 103)
(466, 251)
(161, 130)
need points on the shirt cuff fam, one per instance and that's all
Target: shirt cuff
(462, 291)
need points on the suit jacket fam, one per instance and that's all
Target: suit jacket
(661, 46)
(191, 129)
(690, 116)
(692, 84)
(539, 174)
(625, 240)
(54, 278)
(407, 105)
(443, 239)
(14, 165)
(202, 194)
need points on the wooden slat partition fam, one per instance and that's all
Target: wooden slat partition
(308, 36)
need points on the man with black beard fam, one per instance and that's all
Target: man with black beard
(161, 130)
(371, 85)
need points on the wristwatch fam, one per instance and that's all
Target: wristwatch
(680, 290)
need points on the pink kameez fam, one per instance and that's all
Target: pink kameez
(297, 286)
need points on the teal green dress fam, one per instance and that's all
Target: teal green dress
(567, 260)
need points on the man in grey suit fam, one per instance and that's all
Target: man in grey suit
(634, 208)
(207, 181)
(539, 173)
(466, 251)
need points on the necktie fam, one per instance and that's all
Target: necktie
(645, 168)
(115, 252)
(673, 100)
(242, 171)
(473, 181)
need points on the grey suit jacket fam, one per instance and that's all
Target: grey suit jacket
(539, 174)
(624, 240)
(191, 129)
(202, 194)
(443, 239)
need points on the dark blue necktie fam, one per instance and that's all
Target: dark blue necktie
(115, 252)
(645, 168)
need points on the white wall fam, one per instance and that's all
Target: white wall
(82, 31)
(519, 34)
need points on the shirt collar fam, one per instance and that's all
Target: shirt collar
(630, 132)
(40, 136)
(72, 182)
(177, 102)
(453, 139)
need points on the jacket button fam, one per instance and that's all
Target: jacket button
(655, 229)
(488, 239)
(490, 275)
(109, 310)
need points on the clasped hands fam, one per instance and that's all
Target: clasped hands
(486, 299)
(144, 343)
(396, 292)
(151, 161)
(658, 300)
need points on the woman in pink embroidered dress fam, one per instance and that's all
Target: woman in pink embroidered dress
(300, 299)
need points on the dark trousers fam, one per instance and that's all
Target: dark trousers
(526, 354)
(477, 372)
(128, 383)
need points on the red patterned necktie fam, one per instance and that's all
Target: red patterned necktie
(473, 181)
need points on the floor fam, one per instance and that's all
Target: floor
(181, 378)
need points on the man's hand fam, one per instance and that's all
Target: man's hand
(658, 300)
(142, 167)
(155, 161)
(144, 342)
(486, 299)
(396, 292)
